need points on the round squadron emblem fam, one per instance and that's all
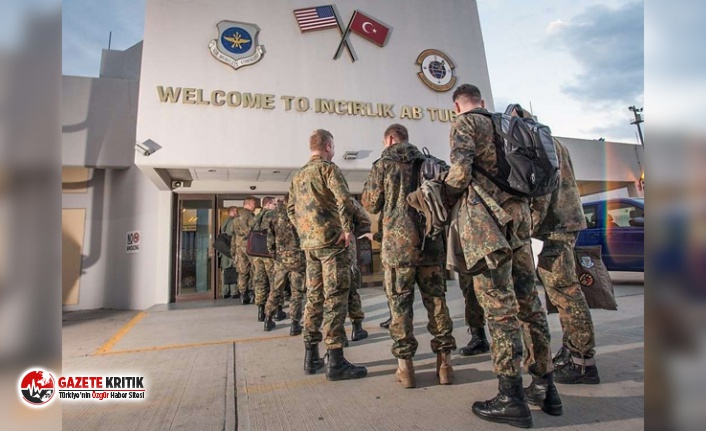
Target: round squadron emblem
(437, 70)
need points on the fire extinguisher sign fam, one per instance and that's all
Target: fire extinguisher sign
(133, 242)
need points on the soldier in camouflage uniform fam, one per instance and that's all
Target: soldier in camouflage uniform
(506, 289)
(558, 218)
(226, 262)
(290, 264)
(474, 319)
(321, 210)
(404, 261)
(242, 224)
(264, 267)
(361, 228)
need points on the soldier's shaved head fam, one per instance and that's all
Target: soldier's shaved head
(319, 139)
(467, 97)
(250, 203)
(398, 133)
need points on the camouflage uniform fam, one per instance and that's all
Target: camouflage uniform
(263, 267)
(506, 289)
(558, 218)
(473, 311)
(404, 262)
(361, 226)
(227, 262)
(320, 208)
(242, 224)
(290, 264)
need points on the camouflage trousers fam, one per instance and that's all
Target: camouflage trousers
(399, 287)
(355, 306)
(263, 278)
(557, 271)
(328, 277)
(473, 311)
(244, 267)
(292, 267)
(511, 305)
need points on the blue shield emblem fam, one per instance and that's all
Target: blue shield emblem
(236, 44)
(587, 262)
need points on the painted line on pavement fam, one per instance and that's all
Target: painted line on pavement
(108, 345)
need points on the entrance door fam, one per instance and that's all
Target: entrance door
(195, 263)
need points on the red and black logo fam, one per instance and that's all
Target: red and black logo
(586, 279)
(37, 387)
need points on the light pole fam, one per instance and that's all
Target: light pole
(638, 119)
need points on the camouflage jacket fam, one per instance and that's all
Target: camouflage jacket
(242, 224)
(472, 142)
(281, 235)
(361, 226)
(560, 211)
(385, 192)
(320, 204)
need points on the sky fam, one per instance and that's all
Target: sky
(578, 64)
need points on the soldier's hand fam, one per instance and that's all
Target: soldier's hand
(369, 236)
(345, 237)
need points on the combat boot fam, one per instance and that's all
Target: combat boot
(269, 323)
(340, 369)
(478, 344)
(245, 298)
(260, 313)
(405, 373)
(312, 361)
(386, 323)
(508, 407)
(296, 328)
(542, 393)
(443, 368)
(280, 315)
(578, 371)
(358, 333)
(562, 358)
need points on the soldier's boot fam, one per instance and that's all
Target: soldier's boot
(236, 295)
(280, 315)
(340, 369)
(245, 298)
(260, 313)
(386, 323)
(478, 344)
(405, 373)
(312, 361)
(296, 328)
(443, 368)
(578, 371)
(358, 333)
(542, 393)
(508, 407)
(269, 323)
(562, 358)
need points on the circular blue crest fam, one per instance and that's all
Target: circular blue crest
(236, 40)
(437, 69)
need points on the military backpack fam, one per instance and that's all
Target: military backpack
(527, 161)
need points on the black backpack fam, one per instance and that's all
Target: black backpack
(429, 168)
(528, 164)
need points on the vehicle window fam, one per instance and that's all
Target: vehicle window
(590, 212)
(622, 214)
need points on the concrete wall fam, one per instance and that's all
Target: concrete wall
(176, 54)
(99, 117)
(122, 64)
(116, 202)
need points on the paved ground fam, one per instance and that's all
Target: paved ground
(210, 366)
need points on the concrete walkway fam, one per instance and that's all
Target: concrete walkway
(210, 366)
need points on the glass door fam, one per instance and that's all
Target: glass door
(195, 263)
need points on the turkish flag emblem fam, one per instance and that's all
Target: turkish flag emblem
(369, 28)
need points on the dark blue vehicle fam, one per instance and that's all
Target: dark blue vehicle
(618, 225)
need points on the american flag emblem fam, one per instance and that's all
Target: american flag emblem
(316, 18)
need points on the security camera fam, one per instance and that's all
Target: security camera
(253, 187)
(141, 147)
(177, 184)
